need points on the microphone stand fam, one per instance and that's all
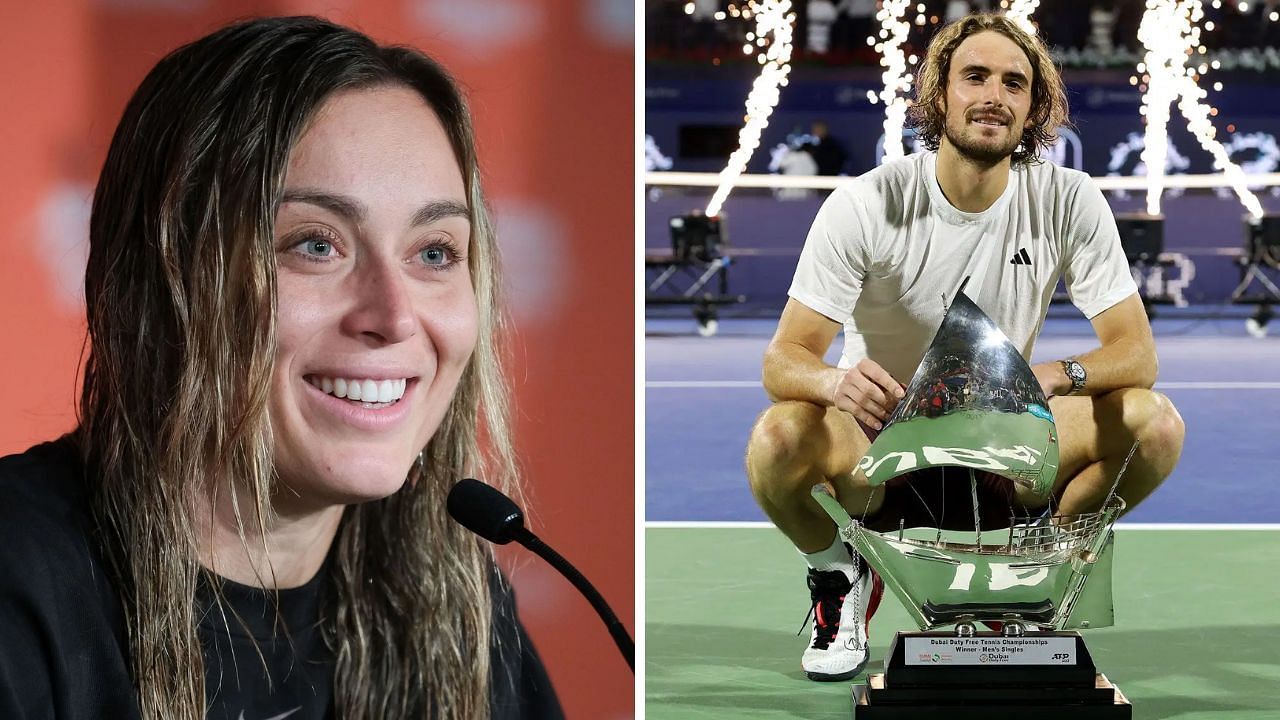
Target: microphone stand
(623, 640)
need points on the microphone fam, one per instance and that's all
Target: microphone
(485, 511)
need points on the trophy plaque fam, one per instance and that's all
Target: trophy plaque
(974, 406)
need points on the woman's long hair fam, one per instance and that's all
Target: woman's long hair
(1048, 94)
(181, 295)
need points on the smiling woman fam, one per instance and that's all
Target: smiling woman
(375, 296)
(292, 308)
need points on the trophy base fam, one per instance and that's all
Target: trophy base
(872, 701)
(932, 675)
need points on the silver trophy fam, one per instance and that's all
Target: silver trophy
(974, 410)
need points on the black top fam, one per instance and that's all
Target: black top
(64, 647)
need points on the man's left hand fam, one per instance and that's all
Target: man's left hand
(1053, 379)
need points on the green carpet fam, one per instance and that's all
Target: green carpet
(1197, 632)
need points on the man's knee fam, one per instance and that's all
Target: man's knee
(1152, 419)
(786, 443)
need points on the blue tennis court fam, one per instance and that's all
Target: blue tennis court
(703, 394)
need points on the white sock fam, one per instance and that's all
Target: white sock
(836, 557)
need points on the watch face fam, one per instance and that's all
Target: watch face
(1075, 371)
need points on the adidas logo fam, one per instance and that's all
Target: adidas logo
(1021, 257)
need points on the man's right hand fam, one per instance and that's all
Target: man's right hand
(868, 392)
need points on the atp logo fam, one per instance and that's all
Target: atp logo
(1256, 153)
(1126, 161)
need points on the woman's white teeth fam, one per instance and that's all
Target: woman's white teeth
(370, 391)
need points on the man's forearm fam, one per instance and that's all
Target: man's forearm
(793, 372)
(1125, 363)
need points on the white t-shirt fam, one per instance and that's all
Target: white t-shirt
(887, 252)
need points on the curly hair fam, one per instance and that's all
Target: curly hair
(1048, 94)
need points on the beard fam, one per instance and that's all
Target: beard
(984, 151)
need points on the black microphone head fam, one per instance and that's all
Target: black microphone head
(485, 511)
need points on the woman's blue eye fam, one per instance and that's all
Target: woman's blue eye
(435, 256)
(317, 246)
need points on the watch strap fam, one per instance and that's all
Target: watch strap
(1076, 374)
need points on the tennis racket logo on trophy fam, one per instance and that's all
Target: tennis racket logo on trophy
(975, 412)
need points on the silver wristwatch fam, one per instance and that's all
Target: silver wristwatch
(1075, 371)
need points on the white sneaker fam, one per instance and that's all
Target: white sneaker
(842, 612)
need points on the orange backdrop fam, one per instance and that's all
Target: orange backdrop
(550, 83)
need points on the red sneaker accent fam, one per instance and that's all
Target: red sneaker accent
(877, 592)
